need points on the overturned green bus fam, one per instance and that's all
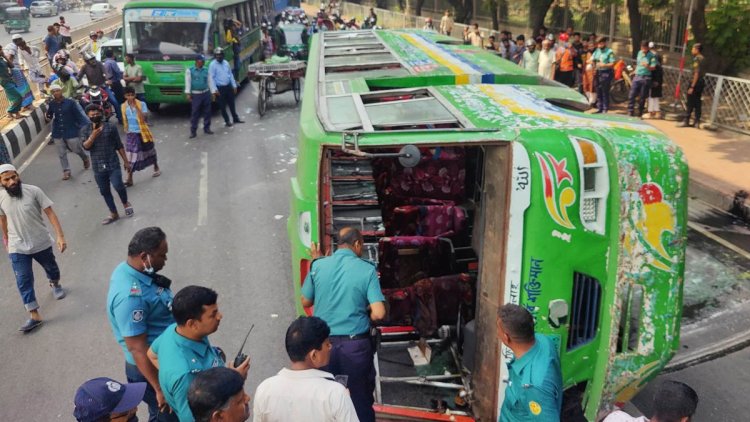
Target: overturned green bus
(489, 193)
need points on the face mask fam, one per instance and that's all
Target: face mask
(96, 119)
(150, 268)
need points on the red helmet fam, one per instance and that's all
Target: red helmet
(564, 37)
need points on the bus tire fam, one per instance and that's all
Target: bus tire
(296, 89)
(153, 107)
(262, 97)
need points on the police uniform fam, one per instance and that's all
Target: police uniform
(198, 87)
(136, 306)
(534, 391)
(180, 359)
(642, 81)
(694, 99)
(604, 76)
(342, 286)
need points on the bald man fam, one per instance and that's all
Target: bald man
(346, 293)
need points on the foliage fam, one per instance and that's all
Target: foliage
(728, 36)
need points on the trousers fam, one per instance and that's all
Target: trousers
(603, 82)
(640, 88)
(133, 374)
(353, 358)
(103, 180)
(226, 98)
(74, 145)
(21, 264)
(200, 106)
(694, 102)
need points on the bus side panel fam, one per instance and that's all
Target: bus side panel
(491, 288)
(645, 319)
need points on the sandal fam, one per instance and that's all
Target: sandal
(129, 211)
(128, 184)
(157, 173)
(110, 220)
(66, 175)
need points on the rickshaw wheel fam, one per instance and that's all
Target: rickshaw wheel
(296, 89)
(262, 97)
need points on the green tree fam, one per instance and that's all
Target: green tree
(537, 12)
(724, 34)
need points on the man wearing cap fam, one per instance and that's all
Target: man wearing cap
(530, 60)
(26, 238)
(67, 120)
(105, 400)
(183, 349)
(92, 46)
(695, 89)
(645, 64)
(198, 91)
(223, 85)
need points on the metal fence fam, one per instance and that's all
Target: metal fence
(726, 100)
(80, 35)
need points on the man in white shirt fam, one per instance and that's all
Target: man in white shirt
(547, 60)
(674, 402)
(303, 392)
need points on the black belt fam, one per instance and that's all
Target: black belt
(352, 337)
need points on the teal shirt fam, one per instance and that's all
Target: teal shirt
(605, 56)
(342, 286)
(135, 306)
(198, 78)
(644, 61)
(180, 359)
(534, 391)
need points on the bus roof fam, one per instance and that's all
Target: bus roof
(410, 58)
(181, 4)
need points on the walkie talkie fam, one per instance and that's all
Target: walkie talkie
(241, 356)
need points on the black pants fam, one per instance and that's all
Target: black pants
(353, 358)
(694, 102)
(133, 374)
(226, 98)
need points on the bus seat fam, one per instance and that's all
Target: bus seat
(427, 220)
(406, 259)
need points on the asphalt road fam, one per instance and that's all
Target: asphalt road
(231, 236)
(39, 25)
(237, 246)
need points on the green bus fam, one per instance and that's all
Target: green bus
(166, 35)
(475, 195)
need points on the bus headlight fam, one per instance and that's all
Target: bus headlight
(305, 228)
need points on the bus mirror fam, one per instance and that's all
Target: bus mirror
(409, 156)
(558, 313)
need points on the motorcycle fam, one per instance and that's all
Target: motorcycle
(97, 96)
(620, 89)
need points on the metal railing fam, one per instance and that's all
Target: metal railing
(81, 35)
(726, 100)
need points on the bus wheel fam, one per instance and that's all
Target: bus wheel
(153, 107)
(296, 89)
(262, 97)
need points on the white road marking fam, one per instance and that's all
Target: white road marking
(719, 240)
(39, 149)
(203, 191)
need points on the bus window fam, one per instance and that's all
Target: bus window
(152, 38)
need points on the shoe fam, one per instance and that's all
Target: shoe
(683, 124)
(109, 220)
(193, 135)
(239, 121)
(598, 112)
(29, 325)
(208, 132)
(129, 211)
(57, 291)
(228, 124)
(66, 175)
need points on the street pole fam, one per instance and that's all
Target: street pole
(676, 103)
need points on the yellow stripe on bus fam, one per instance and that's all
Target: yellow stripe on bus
(461, 77)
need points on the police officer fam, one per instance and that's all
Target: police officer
(534, 391)
(197, 89)
(645, 64)
(183, 349)
(346, 293)
(695, 90)
(604, 60)
(138, 307)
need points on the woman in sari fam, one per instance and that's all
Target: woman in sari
(139, 142)
(6, 81)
